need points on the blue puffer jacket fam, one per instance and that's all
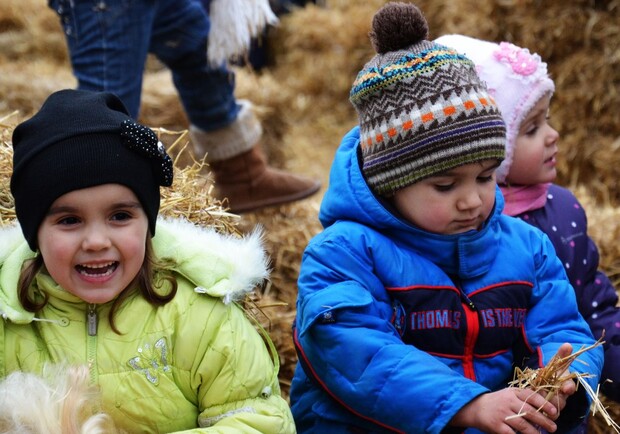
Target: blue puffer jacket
(397, 329)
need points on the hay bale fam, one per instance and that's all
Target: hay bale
(289, 230)
(303, 101)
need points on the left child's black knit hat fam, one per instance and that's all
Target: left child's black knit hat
(82, 139)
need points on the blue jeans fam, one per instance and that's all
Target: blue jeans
(109, 40)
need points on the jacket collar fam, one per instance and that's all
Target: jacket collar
(348, 197)
(220, 265)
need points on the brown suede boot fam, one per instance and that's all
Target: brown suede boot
(250, 184)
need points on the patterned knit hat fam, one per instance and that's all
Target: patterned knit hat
(82, 139)
(422, 109)
(516, 78)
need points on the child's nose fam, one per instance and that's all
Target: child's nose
(95, 238)
(470, 200)
(552, 136)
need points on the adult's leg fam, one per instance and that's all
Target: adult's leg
(179, 40)
(222, 128)
(108, 42)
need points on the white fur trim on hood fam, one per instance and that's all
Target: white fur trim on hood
(225, 266)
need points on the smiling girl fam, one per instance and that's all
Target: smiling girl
(86, 280)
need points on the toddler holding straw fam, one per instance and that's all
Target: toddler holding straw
(419, 298)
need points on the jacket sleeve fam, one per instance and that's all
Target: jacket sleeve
(553, 320)
(598, 303)
(597, 300)
(347, 342)
(605, 316)
(234, 376)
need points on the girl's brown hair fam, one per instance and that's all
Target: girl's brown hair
(152, 276)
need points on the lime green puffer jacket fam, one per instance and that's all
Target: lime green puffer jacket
(196, 364)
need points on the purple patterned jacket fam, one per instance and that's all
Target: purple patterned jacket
(564, 220)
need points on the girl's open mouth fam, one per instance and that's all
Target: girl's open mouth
(99, 270)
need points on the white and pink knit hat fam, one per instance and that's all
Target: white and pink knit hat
(516, 79)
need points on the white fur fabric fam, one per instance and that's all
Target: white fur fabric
(60, 401)
(233, 25)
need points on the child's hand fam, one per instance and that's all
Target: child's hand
(496, 413)
(568, 387)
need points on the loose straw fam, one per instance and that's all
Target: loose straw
(550, 378)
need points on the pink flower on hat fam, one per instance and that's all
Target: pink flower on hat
(520, 60)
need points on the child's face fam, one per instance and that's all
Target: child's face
(453, 202)
(93, 241)
(535, 148)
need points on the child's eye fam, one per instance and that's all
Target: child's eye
(531, 131)
(121, 216)
(485, 179)
(69, 220)
(443, 187)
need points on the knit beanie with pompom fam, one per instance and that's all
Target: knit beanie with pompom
(422, 108)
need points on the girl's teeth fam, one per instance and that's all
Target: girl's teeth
(98, 270)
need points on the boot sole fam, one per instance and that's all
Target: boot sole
(280, 200)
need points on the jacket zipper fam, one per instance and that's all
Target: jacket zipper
(91, 342)
(91, 320)
(473, 330)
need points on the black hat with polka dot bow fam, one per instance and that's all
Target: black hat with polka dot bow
(82, 139)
